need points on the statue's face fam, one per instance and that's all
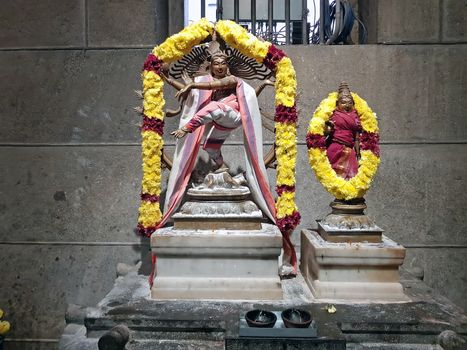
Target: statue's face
(219, 67)
(345, 103)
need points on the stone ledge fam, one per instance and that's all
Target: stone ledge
(217, 288)
(387, 252)
(268, 237)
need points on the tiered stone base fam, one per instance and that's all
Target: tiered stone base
(352, 271)
(215, 324)
(220, 264)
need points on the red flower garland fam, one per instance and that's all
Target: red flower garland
(153, 63)
(315, 141)
(370, 141)
(145, 231)
(283, 115)
(286, 114)
(283, 188)
(289, 222)
(273, 56)
(153, 124)
(150, 197)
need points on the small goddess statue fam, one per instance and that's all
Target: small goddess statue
(343, 135)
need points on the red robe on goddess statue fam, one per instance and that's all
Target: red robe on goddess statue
(340, 144)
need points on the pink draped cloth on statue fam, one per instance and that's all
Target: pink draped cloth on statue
(340, 150)
(187, 149)
(224, 117)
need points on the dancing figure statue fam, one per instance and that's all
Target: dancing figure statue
(216, 102)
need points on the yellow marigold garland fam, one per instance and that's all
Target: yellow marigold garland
(286, 129)
(236, 36)
(152, 144)
(175, 48)
(286, 153)
(357, 186)
(286, 83)
(178, 45)
(4, 326)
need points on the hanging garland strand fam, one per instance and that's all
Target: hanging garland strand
(152, 143)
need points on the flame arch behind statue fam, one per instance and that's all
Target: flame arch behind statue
(173, 49)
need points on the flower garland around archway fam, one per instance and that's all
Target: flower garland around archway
(174, 48)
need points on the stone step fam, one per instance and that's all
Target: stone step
(385, 346)
(178, 344)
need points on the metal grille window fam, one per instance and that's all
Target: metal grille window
(279, 21)
(283, 21)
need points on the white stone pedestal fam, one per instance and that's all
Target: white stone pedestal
(217, 264)
(352, 271)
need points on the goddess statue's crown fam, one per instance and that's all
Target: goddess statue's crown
(344, 90)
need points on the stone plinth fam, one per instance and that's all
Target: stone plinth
(217, 264)
(348, 223)
(216, 215)
(352, 271)
(221, 202)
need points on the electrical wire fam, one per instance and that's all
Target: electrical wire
(344, 26)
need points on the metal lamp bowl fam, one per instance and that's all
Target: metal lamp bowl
(296, 318)
(260, 318)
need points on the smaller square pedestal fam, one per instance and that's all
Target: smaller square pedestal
(217, 264)
(352, 271)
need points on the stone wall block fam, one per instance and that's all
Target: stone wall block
(454, 20)
(404, 85)
(70, 96)
(26, 23)
(92, 194)
(70, 193)
(417, 196)
(401, 21)
(443, 269)
(121, 23)
(44, 279)
(88, 97)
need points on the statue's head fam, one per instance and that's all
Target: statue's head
(345, 100)
(217, 59)
(218, 65)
